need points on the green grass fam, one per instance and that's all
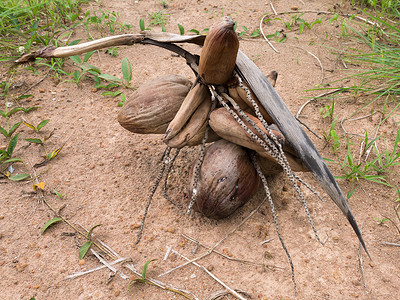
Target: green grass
(24, 23)
(383, 59)
(379, 5)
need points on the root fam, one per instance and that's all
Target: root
(278, 154)
(170, 162)
(271, 203)
(166, 161)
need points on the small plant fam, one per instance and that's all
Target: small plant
(112, 51)
(10, 132)
(141, 279)
(327, 110)
(398, 195)
(142, 25)
(388, 159)
(54, 65)
(354, 171)
(114, 82)
(158, 18)
(302, 24)
(381, 221)
(59, 195)
(163, 3)
(245, 32)
(332, 137)
(106, 19)
(6, 161)
(6, 154)
(86, 246)
(85, 67)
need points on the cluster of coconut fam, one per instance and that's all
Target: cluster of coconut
(172, 105)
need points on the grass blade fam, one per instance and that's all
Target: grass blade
(144, 270)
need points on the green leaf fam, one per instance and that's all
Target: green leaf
(15, 127)
(163, 29)
(19, 177)
(91, 230)
(301, 28)
(144, 270)
(3, 154)
(35, 141)
(13, 111)
(126, 69)
(109, 77)
(26, 110)
(49, 223)
(141, 25)
(349, 194)
(94, 70)
(87, 56)
(181, 29)
(76, 59)
(334, 18)
(255, 33)
(59, 195)
(3, 113)
(12, 144)
(42, 124)
(194, 31)
(24, 96)
(122, 102)
(13, 160)
(84, 249)
(4, 132)
(112, 94)
(77, 75)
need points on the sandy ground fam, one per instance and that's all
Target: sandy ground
(106, 173)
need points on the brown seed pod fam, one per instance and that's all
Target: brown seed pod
(198, 137)
(229, 129)
(218, 56)
(154, 104)
(227, 180)
(193, 125)
(194, 98)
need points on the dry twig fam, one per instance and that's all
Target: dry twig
(232, 258)
(232, 291)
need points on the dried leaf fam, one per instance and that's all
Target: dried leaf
(30, 125)
(54, 153)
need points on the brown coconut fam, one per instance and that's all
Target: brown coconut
(218, 55)
(227, 180)
(154, 104)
